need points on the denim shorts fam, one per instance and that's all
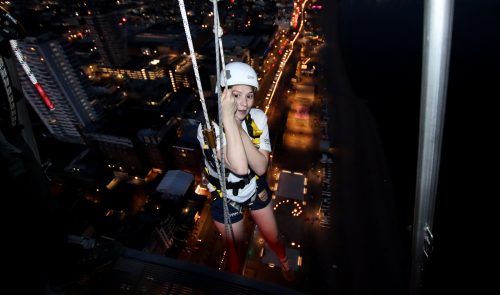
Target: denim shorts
(236, 209)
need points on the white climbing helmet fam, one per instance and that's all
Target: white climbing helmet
(239, 73)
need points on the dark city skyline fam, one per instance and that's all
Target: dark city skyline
(99, 113)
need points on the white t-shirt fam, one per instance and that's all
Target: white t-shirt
(260, 119)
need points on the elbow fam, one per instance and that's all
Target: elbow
(260, 169)
(240, 171)
(260, 172)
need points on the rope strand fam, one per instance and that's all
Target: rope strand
(220, 166)
(219, 56)
(182, 8)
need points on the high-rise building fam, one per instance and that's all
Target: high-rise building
(55, 68)
(151, 142)
(120, 151)
(104, 23)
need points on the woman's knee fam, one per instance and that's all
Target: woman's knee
(271, 237)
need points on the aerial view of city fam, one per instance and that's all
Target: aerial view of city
(101, 109)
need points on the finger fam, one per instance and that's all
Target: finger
(227, 98)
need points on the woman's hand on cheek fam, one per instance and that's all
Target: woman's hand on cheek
(228, 104)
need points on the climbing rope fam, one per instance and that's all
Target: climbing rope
(209, 134)
(219, 57)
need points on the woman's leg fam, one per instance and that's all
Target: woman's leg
(233, 246)
(265, 220)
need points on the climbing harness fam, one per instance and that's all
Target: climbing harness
(234, 186)
(254, 132)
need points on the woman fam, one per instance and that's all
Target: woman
(246, 154)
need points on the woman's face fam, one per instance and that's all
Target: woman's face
(244, 96)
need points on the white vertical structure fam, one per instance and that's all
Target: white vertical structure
(438, 16)
(52, 63)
